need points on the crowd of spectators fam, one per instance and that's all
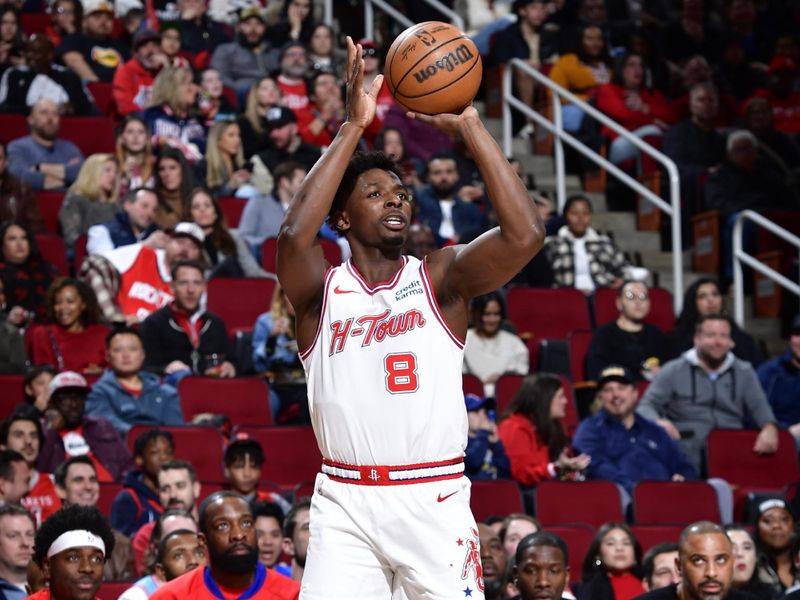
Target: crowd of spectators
(218, 102)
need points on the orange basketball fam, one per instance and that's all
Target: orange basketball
(433, 68)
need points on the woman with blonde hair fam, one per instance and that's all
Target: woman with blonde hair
(92, 199)
(170, 115)
(134, 152)
(262, 96)
(224, 163)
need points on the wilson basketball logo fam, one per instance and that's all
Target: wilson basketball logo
(461, 55)
(373, 328)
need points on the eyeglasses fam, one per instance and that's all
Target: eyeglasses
(63, 10)
(640, 296)
(365, 52)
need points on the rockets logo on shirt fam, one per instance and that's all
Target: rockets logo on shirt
(373, 328)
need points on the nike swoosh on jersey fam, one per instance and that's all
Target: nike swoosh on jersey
(443, 498)
(338, 290)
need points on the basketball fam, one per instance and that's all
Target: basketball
(433, 68)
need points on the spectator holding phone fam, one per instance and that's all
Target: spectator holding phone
(485, 457)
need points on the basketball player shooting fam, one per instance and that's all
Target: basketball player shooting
(382, 341)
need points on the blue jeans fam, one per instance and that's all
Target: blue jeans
(622, 149)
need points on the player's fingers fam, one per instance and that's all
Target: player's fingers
(350, 55)
(420, 117)
(375, 88)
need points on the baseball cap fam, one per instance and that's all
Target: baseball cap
(190, 230)
(144, 36)
(93, 6)
(781, 63)
(278, 116)
(68, 380)
(614, 373)
(474, 402)
(368, 43)
(252, 12)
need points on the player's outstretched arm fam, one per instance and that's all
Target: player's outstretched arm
(492, 259)
(301, 266)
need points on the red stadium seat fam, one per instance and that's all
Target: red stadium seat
(11, 393)
(232, 209)
(588, 502)
(674, 503)
(292, 456)
(331, 252)
(80, 251)
(49, 204)
(507, 385)
(471, 384)
(35, 22)
(269, 250)
(546, 314)
(108, 491)
(578, 538)
(650, 535)
(202, 446)
(13, 127)
(112, 590)
(579, 341)
(90, 134)
(53, 251)
(730, 456)
(239, 301)
(103, 98)
(245, 401)
(499, 497)
(662, 313)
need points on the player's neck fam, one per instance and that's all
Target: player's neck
(232, 581)
(376, 265)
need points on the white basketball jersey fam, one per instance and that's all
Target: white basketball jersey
(384, 372)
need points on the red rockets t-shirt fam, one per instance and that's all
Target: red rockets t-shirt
(198, 585)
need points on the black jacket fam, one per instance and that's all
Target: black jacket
(671, 593)
(166, 341)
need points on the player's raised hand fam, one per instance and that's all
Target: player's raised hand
(450, 123)
(360, 105)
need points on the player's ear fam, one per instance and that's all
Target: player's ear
(341, 220)
(287, 546)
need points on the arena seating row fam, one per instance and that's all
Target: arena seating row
(74, 129)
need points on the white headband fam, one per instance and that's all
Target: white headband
(773, 503)
(75, 539)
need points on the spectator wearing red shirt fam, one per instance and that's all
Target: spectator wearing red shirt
(642, 111)
(23, 433)
(133, 81)
(533, 435)
(291, 81)
(73, 340)
(781, 95)
(227, 523)
(326, 114)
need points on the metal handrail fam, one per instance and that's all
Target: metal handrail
(673, 208)
(369, 17)
(740, 256)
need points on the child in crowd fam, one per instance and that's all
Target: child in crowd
(244, 458)
(485, 456)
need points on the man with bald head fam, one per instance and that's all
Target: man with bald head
(23, 85)
(41, 159)
(705, 565)
(227, 531)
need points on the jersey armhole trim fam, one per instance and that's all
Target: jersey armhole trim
(328, 277)
(434, 304)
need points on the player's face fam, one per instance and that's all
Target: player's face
(379, 209)
(270, 537)
(665, 570)
(16, 543)
(24, 438)
(231, 535)
(706, 566)
(493, 556)
(616, 551)
(176, 490)
(75, 573)
(184, 553)
(516, 530)
(541, 573)
(244, 475)
(80, 485)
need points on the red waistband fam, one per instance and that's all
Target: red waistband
(383, 475)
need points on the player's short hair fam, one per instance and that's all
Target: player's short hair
(74, 517)
(649, 560)
(151, 435)
(5, 427)
(62, 470)
(360, 163)
(289, 524)
(179, 465)
(269, 510)
(162, 545)
(7, 460)
(541, 538)
(239, 449)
